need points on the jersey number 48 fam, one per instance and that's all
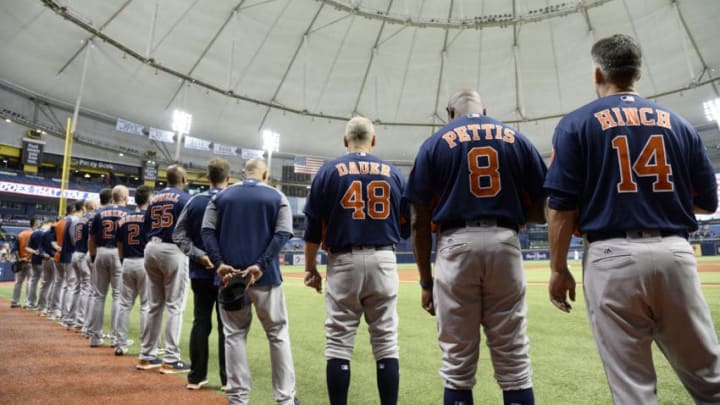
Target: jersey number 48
(378, 200)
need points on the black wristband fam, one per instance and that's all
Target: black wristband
(426, 286)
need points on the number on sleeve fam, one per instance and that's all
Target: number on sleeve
(489, 171)
(652, 162)
(378, 200)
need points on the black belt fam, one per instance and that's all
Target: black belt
(501, 222)
(348, 249)
(634, 234)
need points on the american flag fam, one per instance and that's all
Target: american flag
(307, 165)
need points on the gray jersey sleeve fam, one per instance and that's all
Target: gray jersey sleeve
(182, 238)
(284, 221)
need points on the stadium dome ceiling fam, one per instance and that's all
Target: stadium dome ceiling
(303, 67)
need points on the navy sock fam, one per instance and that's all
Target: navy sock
(458, 397)
(337, 374)
(388, 379)
(519, 397)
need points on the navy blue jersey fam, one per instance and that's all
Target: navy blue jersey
(357, 199)
(130, 234)
(67, 247)
(104, 225)
(35, 242)
(163, 212)
(80, 232)
(477, 167)
(629, 163)
(194, 212)
(241, 222)
(48, 238)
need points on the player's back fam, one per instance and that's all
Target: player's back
(81, 232)
(638, 165)
(22, 241)
(248, 206)
(67, 248)
(60, 236)
(104, 225)
(357, 196)
(131, 234)
(477, 167)
(162, 213)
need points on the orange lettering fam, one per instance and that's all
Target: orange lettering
(488, 130)
(509, 135)
(663, 119)
(474, 128)
(450, 138)
(374, 168)
(618, 116)
(498, 131)
(364, 167)
(605, 119)
(352, 168)
(643, 116)
(462, 134)
(385, 170)
(631, 116)
(342, 169)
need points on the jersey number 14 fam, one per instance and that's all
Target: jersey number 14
(652, 162)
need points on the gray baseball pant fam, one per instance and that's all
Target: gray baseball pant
(78, 289)
(46, 283)
(269, 302)
(108, 273)
(166, 267)
(134, 285)
(59, 288)
(31, 293)
(88, 310)
(20, 277)
(480, 281)
(640, 290)
(364, 281)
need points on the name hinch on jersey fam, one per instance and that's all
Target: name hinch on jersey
(633, 117)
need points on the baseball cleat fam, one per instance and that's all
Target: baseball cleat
(121, 351)
(197, 385)
(224, 388)
(174, 368)
(149, 364)
(14, 305)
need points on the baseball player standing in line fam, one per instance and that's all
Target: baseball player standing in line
(108, 271)
(131, 247)
(82, 266)
(188, 237)
(49, 248)
(79, 289)
(62, 259)
(629, 174)
(264, 213)
(23, 256)
(66, 254)
(357, 197)
(167, 274)
(478, 180)
(34, 247)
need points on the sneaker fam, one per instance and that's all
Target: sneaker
(196, 386)
(149, 364)
(174, 368)
(121, 351)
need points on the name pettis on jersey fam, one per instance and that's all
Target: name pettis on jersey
(474, 132)
(362, 167)
(173, 197)
(633, 117)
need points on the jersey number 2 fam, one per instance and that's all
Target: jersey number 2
(652, 162)
(378, 200)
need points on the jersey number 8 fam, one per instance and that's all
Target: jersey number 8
(378, 200)
(489, 171)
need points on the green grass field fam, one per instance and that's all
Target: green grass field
(566, 367)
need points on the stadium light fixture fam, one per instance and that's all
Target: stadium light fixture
(712, 110)
(181, 123)
(271, 141)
